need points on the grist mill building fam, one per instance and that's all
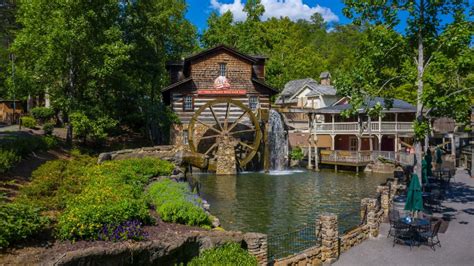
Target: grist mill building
(219, 94)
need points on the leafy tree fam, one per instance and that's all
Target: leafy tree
(424, 35)
(102, 63)
(8, 27)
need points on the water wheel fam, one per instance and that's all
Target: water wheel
(223, 119)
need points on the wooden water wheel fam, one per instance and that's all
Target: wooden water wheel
(223, 119)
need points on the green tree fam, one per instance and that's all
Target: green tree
(8, 27)
(423, 33)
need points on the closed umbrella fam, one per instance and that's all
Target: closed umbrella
(439, 153)
(414, 196)
(429, 163)
(424, 171)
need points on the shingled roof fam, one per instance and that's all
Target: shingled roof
(398, 106)
(295, 86)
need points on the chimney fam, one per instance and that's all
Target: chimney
(325, 78)
(175, 70)
(259, 67)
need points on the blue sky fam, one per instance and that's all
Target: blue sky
(199, 10)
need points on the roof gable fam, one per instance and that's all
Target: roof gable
(217, 49)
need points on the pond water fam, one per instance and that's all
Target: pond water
(286, 200)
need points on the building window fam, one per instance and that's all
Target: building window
(222, 69)
(253, 102)
(188, 103)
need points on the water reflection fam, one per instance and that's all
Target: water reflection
(281, 201)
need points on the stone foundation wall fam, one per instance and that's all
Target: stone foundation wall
(311, 256)
(181, 250)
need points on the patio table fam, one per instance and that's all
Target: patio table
(416, 225)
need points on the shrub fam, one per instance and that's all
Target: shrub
(129, 230)
(54, 182)
(50, 142)
(100, 204)
(28, 121)
(94, 129)
(19, 221)
(48, 128)
(7, 160)
(42, 114)
(297, 154)
(228, 254)
(174, 202)
(112, 195)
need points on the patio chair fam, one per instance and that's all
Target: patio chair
(402, 233)
(393, 217)
(430, 237)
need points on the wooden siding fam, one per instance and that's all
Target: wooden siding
(199, 101)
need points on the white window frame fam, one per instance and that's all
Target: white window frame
(186, 103)
(257, 102)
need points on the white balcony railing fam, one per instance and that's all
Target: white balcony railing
(365, 156)
(354, 127)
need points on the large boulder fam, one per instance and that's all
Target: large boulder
(178, 155)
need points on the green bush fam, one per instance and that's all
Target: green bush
(228, 254)
(54, 182)
(28, 121)
(8, 159)
(42, 114)
(98, 205)
(112, 194)
(95, 129)
(19, 221)
(174, 202)
(297, 154)
(48, 128)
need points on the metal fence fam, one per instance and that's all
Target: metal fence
(293, 242)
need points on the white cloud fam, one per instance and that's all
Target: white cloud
(294, 9)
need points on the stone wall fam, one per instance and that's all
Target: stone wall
(182, 249)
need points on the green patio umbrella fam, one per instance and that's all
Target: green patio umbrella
(429, 160)
(424, 171)
(414, 196)
(439, 153)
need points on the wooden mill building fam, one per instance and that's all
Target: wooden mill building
(220, 73)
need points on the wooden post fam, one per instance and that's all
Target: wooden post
(310, 141)
(316, 154)
(380, 141)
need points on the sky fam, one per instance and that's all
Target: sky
(331, 10)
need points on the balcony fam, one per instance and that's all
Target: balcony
(355, 128)
(364, 157)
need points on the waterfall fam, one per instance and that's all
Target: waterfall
(278, 141)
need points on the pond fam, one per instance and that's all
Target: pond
(281, 201)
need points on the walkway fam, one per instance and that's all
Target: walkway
(457, 242)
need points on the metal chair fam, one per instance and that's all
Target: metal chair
(402, 233)
(431, 237)
(393, 217)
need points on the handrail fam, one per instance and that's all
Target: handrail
(375, 127)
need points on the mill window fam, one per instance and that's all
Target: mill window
(188, 103)
(222, 69)
(253, 102)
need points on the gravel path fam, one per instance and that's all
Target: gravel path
(457, 242)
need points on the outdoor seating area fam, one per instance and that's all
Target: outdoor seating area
(415, 217)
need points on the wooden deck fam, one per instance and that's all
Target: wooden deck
(362, 158)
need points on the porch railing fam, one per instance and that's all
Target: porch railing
(355, 127)
(365, 156)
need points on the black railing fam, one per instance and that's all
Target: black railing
(349, 221)
(293, 242)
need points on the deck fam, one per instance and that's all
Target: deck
(362, 158)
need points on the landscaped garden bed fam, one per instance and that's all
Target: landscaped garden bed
(75, 204)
